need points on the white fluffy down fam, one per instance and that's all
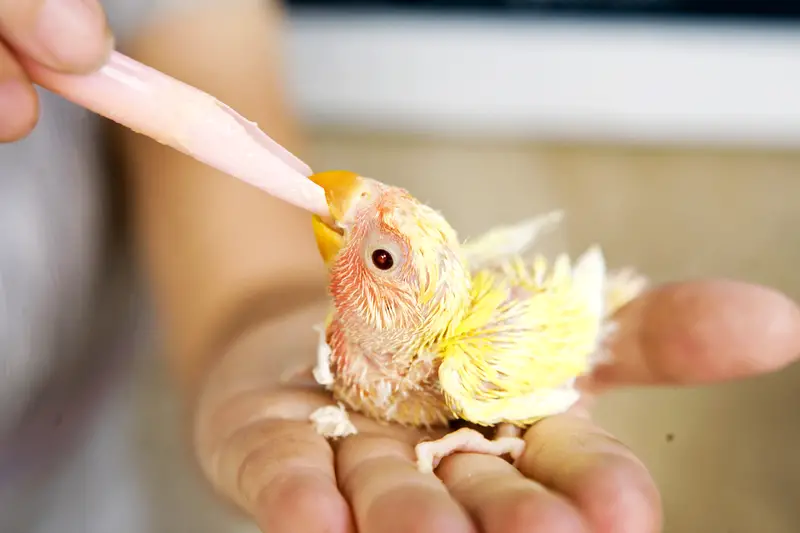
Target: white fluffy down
(332, 421)
(322, 370)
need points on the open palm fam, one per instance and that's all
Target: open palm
(573, 478)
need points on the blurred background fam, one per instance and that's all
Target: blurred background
(669, 131)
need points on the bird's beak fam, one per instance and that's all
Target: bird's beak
(341, 189)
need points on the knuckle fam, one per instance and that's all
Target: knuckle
(266, 466)
(302, 500)
(255, 455)
(364, 456)
(294, 492)
(427, 512)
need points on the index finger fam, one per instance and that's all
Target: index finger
(388, 493)
(267, 458)
(701, 332)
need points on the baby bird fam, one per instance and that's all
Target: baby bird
(425, 329)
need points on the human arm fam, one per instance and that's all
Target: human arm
(234, 273)
(217, 249)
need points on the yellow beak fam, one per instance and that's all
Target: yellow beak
(341, 188)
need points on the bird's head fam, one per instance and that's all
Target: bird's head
(395, 264)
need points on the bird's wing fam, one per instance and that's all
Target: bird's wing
(622, 286)
(505, 242)
(500, 248)
(530, 333)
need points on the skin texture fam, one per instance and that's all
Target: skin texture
(263, 286)
(72, 39)
(574, 477)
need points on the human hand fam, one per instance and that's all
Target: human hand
(63, 35)
(573, 476)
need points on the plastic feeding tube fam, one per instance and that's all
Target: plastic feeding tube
(178, 115)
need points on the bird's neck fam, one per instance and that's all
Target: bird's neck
(399, 348)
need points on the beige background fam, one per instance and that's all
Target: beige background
(733, 465)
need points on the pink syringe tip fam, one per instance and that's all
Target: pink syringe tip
(189, 120)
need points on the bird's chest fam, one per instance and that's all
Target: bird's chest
(384, 383)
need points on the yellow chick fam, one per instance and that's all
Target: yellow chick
(425, 329)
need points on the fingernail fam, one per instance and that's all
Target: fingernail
(73, 35)
(17, 109)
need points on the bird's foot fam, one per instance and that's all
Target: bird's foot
(430, 453)
(507, 430)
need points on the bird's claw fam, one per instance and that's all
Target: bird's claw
(430, 453)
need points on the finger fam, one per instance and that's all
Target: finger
(283, 473)
(698, 332)
(278, 467)
(602, 477)
(65, 35)
(18, 103)
(379, 477)
(287, 403)
(502, 500)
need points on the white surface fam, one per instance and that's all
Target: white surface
(544, 79)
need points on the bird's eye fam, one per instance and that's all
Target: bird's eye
(382, 255)
(382, 259)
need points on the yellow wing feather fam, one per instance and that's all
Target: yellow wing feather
(531, 331)
(500, 244)
(501, 247)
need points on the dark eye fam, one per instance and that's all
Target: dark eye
(382, 259)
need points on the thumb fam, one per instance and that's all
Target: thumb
(64, 35)
(700, 332)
